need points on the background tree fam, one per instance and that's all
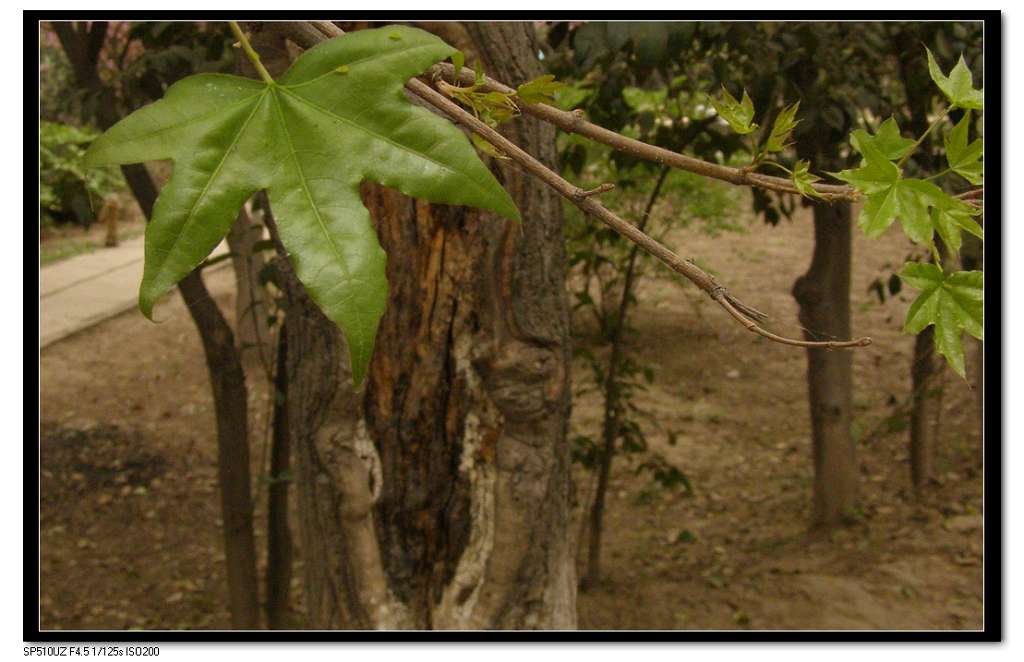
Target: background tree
(83, 43)
(856, 84)
(623, 75)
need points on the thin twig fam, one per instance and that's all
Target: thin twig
(603, 188)
(573, 122)
(592, 207)
(253, 56)
(973, 194)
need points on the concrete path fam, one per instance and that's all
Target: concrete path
(84, 290)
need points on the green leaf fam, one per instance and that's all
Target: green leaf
(486, 147)
(785, 122)
(803, 179)
(888, 140)
(901, 200)
(953, 303)
(888, 196)
(963, 158)
(458, 61)
(909, 200)
(959, 86)
(539, 90)
(952, 217)
(739, 115)
(309, 139)
(876, 172)
(641, 100)
(571, 96)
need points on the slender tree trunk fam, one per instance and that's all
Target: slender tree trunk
(279, 536)
(980, 388)
(824, 297)
(972, 255)
(610, 428)
(251, 311)
(438, 497)
(227, 379)
(926, 402)
(923, 372)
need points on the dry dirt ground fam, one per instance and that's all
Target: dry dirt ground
(130, 526)
(60, 242)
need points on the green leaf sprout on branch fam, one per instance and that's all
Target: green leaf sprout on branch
(739, 114)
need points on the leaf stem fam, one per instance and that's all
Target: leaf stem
(777, 165)
(913, 148)
(938, 174)
(254, 57)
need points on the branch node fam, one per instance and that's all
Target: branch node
(581, 194)
(577, 120)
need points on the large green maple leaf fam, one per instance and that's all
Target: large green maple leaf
(336, 117)
(921, 206)
(953, 303)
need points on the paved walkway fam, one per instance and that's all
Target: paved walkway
(84, 290)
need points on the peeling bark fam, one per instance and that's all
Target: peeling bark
(438, 497)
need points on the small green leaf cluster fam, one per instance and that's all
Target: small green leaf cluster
(740, 116)
(952, 302)
(494, 108)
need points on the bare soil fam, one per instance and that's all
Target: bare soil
(131, 531)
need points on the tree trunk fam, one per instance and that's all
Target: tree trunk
(82, 45)
(438, 497)
(227, 380)
(279, 536)
(972, 255)
(922, 433)
(824, 297)
(926, 400)
(980, 359)
(251, 311)
(612, 408)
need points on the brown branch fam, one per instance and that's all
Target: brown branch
(573, 122)
(603, 188)
(973, 194)
(592, 207)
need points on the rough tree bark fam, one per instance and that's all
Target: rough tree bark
(82, 44)
(250, 301)
(279, 535)
(824, 297)
(438, 496)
